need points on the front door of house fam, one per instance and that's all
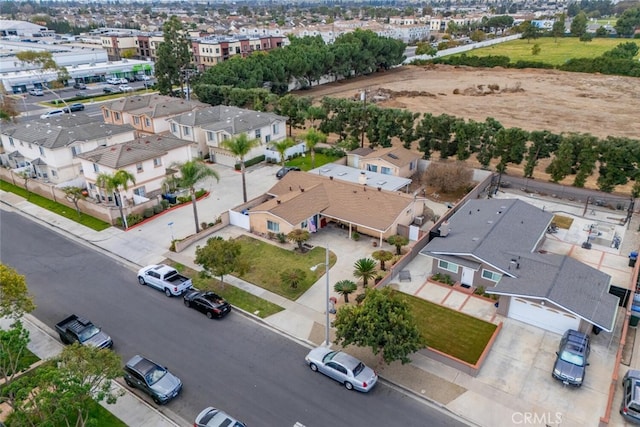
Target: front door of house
(467, 276)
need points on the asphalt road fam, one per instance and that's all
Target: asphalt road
(235, 363)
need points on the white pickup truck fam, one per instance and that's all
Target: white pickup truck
(164, 278)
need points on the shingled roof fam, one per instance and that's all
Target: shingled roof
(153, 105)
(233, 120)
(132, 152)
(63, 131)
(300, 195)
(397, 156)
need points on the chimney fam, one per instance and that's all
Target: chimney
(331, 178)
(379, 188)
(278, 201)
(444, 229)
(302, 190)
(362, 179)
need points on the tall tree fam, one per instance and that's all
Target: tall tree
(13, 349)
(365, 269)
(14, 295)
(281, 147)
(115, 184)
(174, 56)
(220, 257)
(298, 236)
(191, 173)
(579, 25)
(67, 388)
(558, 27)
(398, 241)
(74, 195)
(382, 256)
(563, 161)
(314, 137)
(294, 108)
(383, 322)
(240, 146)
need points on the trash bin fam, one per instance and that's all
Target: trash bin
(633, 257)
(633, 320)
(171, 198)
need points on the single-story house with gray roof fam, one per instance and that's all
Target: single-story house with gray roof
(494, 244)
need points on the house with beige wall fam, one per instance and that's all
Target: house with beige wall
(208, 128)
(49, 148)
(310, 202)
(396, 161)
(147, 158)
(147, 113)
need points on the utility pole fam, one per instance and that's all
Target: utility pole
(188, 73)
(363, 98)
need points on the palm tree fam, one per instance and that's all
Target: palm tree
(365, 269)
(345, 287)
(282, 146)
(113, 184)
(191, 173)
(293, 277)
(398, 241)
(312, 138)
(240, 146)
(299, 236)
(382, 256)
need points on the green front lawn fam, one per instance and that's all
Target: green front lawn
(269, 261)
(451, 332)
(304, 163)
(58, 208)
(551, 52)
(236, 296)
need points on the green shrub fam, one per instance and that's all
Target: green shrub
(133, 219)
(250, 162)
(165, 204)
(201, 192)
(282, 238)
(148, 213)
(158, 208)
(355, 236)
(183, 199)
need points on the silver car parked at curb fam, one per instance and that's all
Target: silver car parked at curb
(345, 369)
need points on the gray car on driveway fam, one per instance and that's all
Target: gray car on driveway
(572, 356)
(345, 369)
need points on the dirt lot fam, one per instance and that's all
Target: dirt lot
(530, 99)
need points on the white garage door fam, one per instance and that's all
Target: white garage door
(542, 316)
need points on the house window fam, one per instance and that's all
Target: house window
(174, 128)
(11, 143)
(29, 146)
(372, 168)
(116, 116)
(53, 172)
(96, 168)
(157, 162)
(186, 130)
(276, 128)
(273, 226)
(42, 152)
(385, 171)
(136, 120)
(490, 275)
(267, 139)
(225, 136)
(106, 114)
(449, 266)
(258, 133)
(210, 136)
(140, 191)
(139, 167)
(75, 151)
(412, 165)
(147, 122)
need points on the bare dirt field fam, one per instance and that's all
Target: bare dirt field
(529, 99)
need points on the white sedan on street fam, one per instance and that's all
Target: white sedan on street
(345, 369)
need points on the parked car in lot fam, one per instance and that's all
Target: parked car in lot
(142, 77)
(212, 417)
(113, 81)
(572, 357)
(74, 107)
(108, 89)
(164, 278)
(285, 170)
(630, 407)
(124, 80)
(52, 113)
(153, 379)
(209, 303)
(342, 367)
(125, 88)
(36, 92)
(79, 85)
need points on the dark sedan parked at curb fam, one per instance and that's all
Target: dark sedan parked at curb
(285, 170)
(344, 368)
(209, 303)
(74, 107)
(151, 378)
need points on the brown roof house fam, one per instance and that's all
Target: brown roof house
(495, 243)
(310, 202)
(396, 161)
(146, 158)
(147, 113)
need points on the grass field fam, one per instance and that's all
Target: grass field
(58, 208)
(449, 331)
(551, 52)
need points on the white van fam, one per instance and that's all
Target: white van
(52, 113)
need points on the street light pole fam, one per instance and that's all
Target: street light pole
(326, 273)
